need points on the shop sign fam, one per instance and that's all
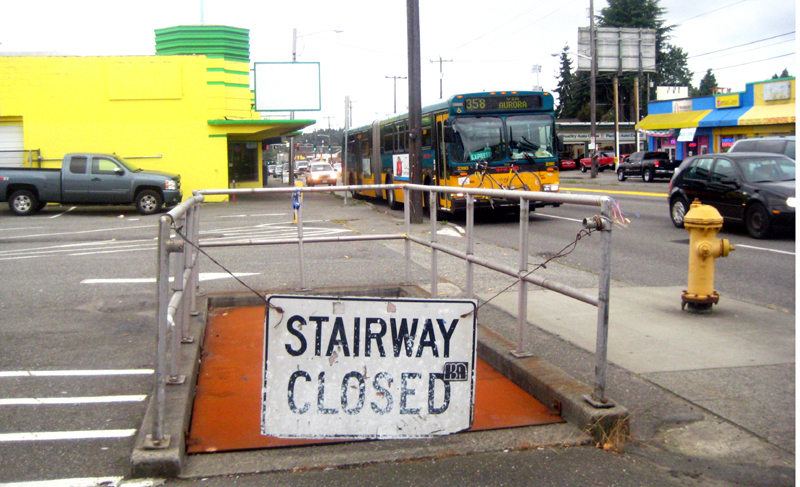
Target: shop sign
(728, 101)
(368, 367)
(679, 106)
(687, 134)
(781, 90)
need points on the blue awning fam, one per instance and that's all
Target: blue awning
(723, 118)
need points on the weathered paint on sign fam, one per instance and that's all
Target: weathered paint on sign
(368, 367)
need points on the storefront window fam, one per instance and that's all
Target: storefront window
(243, 161)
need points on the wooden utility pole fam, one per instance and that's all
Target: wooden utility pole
(593, 90)
(441, 73)
(414, 108)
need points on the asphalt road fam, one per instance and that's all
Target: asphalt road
(79, 295)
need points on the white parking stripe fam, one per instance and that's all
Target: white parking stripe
(66, 435)
(76, 482)
(762, 248)
(34, 401)
(73, 373)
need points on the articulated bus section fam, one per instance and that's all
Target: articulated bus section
(497, 140)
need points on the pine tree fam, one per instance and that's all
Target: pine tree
(707, 84)
(566, 79)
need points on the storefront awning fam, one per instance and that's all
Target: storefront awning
(663, 121)
(769, 115)
(728, 117)
(255, 130)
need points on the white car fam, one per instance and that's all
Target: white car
(320, 173)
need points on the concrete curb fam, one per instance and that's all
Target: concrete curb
(551, 386)
(542, 380)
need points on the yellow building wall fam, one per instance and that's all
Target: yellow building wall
(153, 110)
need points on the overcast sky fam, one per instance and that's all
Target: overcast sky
(487, 45)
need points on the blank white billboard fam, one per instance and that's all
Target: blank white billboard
(287, 87)
(618, 49)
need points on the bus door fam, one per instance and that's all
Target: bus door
(441, 161)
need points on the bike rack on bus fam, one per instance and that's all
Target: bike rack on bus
(179, 231)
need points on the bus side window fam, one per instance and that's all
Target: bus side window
(427, 137)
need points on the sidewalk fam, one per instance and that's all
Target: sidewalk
(711, 397)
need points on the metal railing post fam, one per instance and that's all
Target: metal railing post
(407, 218)
(176, 326)
(470, 244)
(300, 243)
(196, 260)
(186, 273)
(522, 302)
(598, 397)
(157, 438)
(434, 257)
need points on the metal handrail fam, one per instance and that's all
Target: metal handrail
(177, 303)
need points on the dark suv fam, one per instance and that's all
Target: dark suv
(774, 145)
(648, 165)
(756, 188)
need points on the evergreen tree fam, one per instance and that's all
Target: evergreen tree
(565, 108)
(784, 74)
(707, 85)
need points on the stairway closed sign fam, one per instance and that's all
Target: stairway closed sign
(368, 367)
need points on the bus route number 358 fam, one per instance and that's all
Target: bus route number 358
(341, 367)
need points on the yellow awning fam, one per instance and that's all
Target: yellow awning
(254, 130)
(663, 121)
(769, 115)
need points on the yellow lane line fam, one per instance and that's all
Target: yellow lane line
(637, 193)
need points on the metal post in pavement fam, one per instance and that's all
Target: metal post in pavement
(157, 439)
(407, 217)
(434, 257)
(522, 302)
(605, 224)
(470, 244)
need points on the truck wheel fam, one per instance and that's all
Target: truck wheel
(148, 202)
(23, 202)
(677, 211)
(621, 175)
(647, 175)
(757, 221)
(583, 167)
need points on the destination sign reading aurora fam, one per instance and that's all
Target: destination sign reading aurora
(368, 367)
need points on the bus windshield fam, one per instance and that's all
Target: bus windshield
(530, 135)
(478, 139)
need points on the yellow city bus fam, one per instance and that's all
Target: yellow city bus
(492, 140)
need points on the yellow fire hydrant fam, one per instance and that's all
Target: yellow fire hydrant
(703, 223)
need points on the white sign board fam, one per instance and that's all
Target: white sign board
(284, 87)
(687, 134)
(368, 367)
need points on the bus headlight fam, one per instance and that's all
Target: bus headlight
(550, 188)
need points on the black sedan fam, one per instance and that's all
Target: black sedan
(755, 188)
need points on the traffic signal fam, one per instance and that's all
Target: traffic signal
(315, 148)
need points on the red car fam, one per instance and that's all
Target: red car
(605, 159)
(565, 164)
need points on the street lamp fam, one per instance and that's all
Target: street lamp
(295, 37)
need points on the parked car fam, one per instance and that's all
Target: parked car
(320, 173)
(299, 168)
(277, 171)
(648, 165)
(755, 188)
(605, 159)
(775, 145)
(566, 164)
(89, 179)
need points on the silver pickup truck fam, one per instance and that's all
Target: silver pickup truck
(89, 179)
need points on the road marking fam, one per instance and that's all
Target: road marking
(33, 401)
(75, 482)
(559, 217)
(81, 232)
(73, 373)
(204, 276)
(14, 229)
(636, 193)
(63, 212)
(762, 248)
(66, 435)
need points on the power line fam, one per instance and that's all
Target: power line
(753, 62)
(742, 45)
(709, 12)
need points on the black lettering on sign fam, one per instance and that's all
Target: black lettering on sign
(401, 336)
(292, 380)
(362, 392)
(377, 337)
(321, 409)
(318, 335)
(432, 409)
(456, 371)
(294, 331)
(447, 333)
(383, 391)
(338, 338)
(405, 392)
(428, 339)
